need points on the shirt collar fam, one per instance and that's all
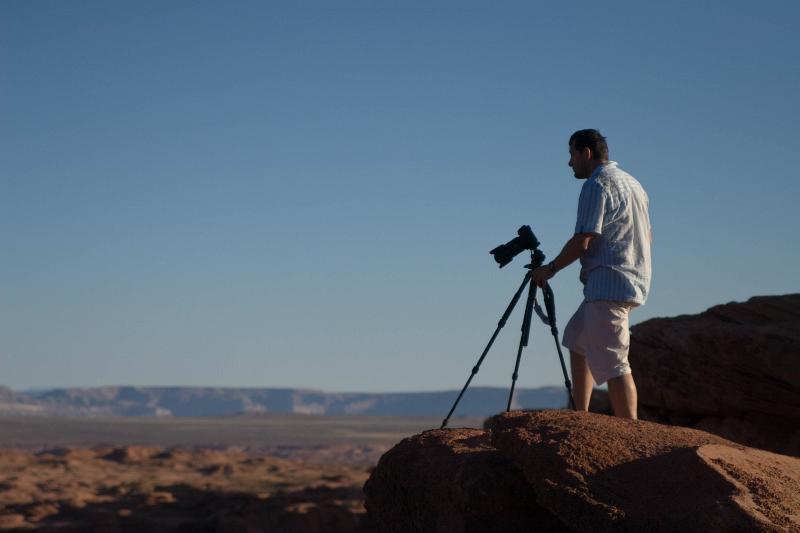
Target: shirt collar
(601, 167)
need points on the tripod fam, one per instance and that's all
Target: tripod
(537, 257)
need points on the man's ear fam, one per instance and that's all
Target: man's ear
(587, 153)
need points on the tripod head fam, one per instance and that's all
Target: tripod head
(537, 258)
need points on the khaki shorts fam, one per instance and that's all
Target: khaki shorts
(599, 330)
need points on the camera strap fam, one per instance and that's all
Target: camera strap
(540, 312)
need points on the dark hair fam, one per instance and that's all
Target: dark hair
(593, 140)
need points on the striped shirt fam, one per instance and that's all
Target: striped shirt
(613, 205)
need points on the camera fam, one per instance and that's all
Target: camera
(525, 240)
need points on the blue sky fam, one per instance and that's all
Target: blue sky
(303, 194)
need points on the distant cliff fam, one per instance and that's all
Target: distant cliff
(209, 401)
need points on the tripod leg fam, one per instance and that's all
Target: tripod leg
(500, 325)
(523, 341)
(550, 305)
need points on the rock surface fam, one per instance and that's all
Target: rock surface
(599, 473)
(732, 370)
(589, 472)
(452, 480)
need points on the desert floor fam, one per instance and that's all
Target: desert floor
(247, 473)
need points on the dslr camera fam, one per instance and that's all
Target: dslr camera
(525, 240)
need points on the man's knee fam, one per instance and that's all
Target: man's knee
(623, 383)
(625, 378)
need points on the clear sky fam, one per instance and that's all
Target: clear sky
(304, 194)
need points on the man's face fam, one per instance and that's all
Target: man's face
(579, 161)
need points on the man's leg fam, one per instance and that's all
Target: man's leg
(622, 393)
(582, 381)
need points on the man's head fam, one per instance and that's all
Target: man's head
(587, 151)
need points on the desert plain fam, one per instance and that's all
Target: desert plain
(269, 472)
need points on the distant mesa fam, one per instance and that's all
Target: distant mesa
(208, 401)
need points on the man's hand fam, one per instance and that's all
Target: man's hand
(542, 274)
(574, 248)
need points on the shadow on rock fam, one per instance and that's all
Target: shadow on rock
(453, 480)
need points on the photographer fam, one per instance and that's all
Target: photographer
(612, 240)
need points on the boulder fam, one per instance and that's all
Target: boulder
(452, 480)
(570, 471)
(600, 473)
(732, 370)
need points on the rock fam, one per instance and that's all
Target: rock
(11, 520)
(732, 370)
(38, 512)
(452, 480)
(131, 454)
(158, 497)
(600, 473)
(313, 510)
(571, 471)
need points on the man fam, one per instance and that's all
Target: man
(612, 240)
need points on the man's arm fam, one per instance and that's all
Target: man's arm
(571, 252)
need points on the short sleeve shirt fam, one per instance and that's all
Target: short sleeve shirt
(614, 206)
